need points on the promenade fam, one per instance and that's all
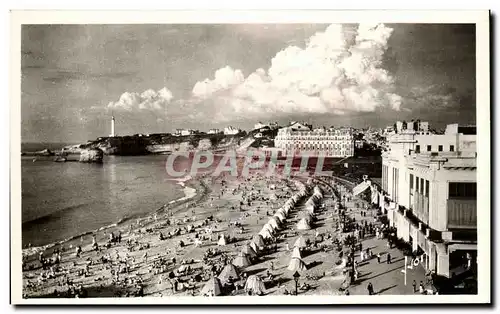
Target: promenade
(385, 278)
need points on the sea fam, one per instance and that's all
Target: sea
(63, 200)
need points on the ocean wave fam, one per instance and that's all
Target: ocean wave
(55, 214)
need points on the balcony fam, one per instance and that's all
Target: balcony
(462, 213)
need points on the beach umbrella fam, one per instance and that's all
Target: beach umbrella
(258, 240)
(255, 285)
(248, 250)
(255, 247)
(222, 240)
(296, 253)
(296, 264)
(229, 271)
(303, 224)
(242, 260)
(300, 242)
(212, 287)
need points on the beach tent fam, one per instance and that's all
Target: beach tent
(269, 228)
(280, 218)
(303, 224)
(255, 247)
(255, 284)
(296, 198)
(258, 240)
(307, 216)
(300, 242)
(242, 260)
(274, 223)
(211, 288)
(289, 203)
(222, 240)
(248, 250)
(266, 234)
(282, 211)
(297, 264)
(310, 208)
(229, 271)
(296, 253)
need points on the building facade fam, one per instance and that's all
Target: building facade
(301, 140)
(231, 130)
(430, 185)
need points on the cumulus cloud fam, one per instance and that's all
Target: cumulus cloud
(337, 72)
(224, 79)
(148, 100)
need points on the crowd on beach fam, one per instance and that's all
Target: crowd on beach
(213, 247)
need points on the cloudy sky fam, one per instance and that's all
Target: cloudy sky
(156, 78)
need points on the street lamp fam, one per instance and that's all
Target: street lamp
(296, 277)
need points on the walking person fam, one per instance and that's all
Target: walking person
(378, 258)
(414, 286)
(370, 288)
(388, 258)
(421, 287)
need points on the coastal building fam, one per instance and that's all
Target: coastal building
(300, 139)
(430, 189)
(271, 126)
(260, 125)
(214, 131)
(231, 130)
(184, 132)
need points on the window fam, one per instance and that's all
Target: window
(440, 148)
(427, 188)
(417, 181)
(462, 190)
(417, 149)
(429, 148)
(452, 148)
(411, 181)
(421, 185)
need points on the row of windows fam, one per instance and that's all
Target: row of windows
(462, 190)
(440, 148)
(421, 185)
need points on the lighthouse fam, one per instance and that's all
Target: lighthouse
(112, 127)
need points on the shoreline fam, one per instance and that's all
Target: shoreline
(191, 188)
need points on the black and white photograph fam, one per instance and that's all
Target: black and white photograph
(196, 158)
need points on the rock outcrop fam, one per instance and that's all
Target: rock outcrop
(91, 155)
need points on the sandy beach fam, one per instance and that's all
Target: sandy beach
(178, 250)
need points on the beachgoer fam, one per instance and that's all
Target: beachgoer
(388, 258)
(414, 286)
(378, 258)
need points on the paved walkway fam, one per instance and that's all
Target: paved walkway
(385, 278)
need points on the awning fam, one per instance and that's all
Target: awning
(360, 188)
(462, 246)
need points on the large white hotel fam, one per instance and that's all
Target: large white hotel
(429, 192)
(301, 139)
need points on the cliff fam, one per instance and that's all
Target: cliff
(160, 143)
